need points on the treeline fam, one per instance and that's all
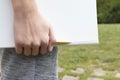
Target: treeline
(108, 11)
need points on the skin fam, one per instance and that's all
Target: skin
(32, 34)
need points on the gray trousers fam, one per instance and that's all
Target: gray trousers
(20, 67)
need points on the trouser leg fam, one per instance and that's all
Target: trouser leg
(20, 67)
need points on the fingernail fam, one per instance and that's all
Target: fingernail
(51, 48)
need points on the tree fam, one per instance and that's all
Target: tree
(108, 11)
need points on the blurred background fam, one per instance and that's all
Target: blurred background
(95, 62)
(108, 11)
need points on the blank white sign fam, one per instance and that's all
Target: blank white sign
(73, 21)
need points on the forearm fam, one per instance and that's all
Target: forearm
(24, 6)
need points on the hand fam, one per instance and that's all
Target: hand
(33, 35)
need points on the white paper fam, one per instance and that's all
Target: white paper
(73, 21)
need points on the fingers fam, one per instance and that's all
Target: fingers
(35, 51)
(23, 49)
(50, 47)
(43, 49)
(27, 51)
(35, 48)
(44, 45)
(52, 40)
(19, 49)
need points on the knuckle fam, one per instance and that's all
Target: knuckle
(45, 41)
(27, 44)
(17, 46)
(19, 43)
(35, 44)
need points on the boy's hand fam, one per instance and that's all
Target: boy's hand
(33, 35)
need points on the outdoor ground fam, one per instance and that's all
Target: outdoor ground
(93, 62)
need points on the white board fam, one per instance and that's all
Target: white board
(73, 21)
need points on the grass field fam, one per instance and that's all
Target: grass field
(106, 55)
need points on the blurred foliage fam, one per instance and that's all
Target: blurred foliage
(108, 11)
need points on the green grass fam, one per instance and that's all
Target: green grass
(107, 52)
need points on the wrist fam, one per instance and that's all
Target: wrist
(24, 7)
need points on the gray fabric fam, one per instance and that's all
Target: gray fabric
(20, 67)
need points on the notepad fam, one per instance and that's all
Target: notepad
(74, 21)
